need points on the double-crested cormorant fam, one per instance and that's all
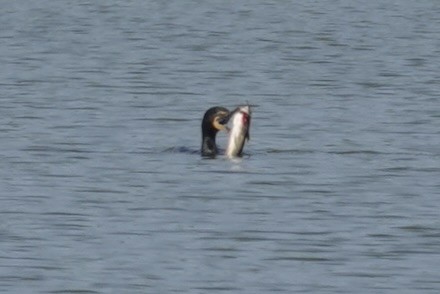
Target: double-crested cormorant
(213, 121)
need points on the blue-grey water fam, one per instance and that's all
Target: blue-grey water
(101, 186)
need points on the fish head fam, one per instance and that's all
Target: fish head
(242, 119)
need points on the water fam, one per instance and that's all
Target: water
(101, 187)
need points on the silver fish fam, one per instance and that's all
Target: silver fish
(238, 127)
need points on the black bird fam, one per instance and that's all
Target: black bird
(214, 120)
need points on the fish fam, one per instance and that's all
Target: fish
(237, 126)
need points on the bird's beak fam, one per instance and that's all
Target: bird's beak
(224, 120)
(220, 121)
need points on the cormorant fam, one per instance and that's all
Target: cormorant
(213, 121)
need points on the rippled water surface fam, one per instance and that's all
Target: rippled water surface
(101, 186)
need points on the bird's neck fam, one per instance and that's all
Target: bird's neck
(209, 148)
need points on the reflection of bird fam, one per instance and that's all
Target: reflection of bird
(213, 121)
